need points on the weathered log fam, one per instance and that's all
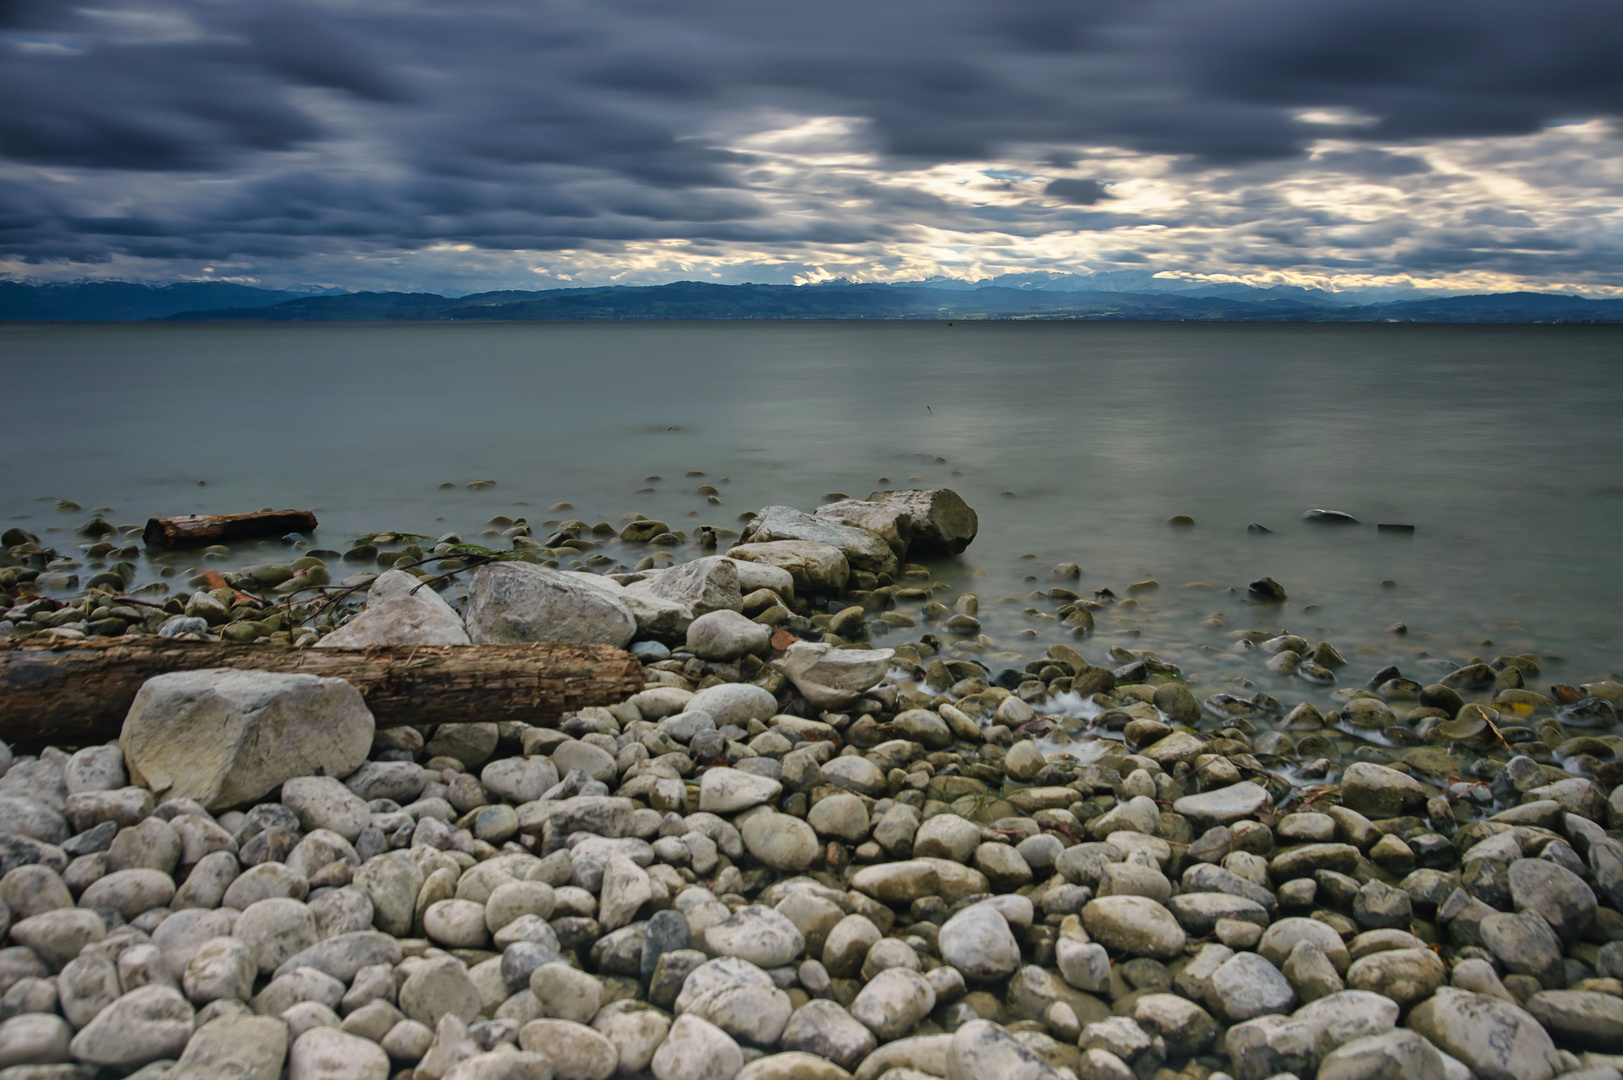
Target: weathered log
(193, 529)
(62, 693)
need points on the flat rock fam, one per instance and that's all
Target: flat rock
(1223, 806)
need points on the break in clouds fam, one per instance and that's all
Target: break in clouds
(477, 145)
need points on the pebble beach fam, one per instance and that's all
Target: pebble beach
(843, 830)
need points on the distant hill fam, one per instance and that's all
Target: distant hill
(126, 301)
(1039, 296)
(702, 300)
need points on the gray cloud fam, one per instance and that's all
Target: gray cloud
(208, 131)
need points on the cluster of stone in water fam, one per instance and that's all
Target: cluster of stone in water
(717, 879)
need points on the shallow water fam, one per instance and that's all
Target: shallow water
(1074, 441)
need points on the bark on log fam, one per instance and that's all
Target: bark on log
(192, 529)
(77, 693)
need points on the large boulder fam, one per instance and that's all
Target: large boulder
(699, 587)
(812, 565)
(519, 602)
(225, 738)
(833, 678)
(861, 548)
(400, 610)
(939, 521)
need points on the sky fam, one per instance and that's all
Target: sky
(484, 144)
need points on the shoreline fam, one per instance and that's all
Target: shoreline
(817, 843)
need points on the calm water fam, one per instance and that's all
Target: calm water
(1075, 442)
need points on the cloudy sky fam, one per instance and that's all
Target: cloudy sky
(455, 147)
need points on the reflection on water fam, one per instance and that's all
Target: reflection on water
(1075, 442)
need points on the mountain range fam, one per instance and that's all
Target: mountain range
(1123, 295)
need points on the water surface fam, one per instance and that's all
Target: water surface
(1074, 441)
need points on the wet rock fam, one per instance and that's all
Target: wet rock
(225, 738)
(1379, 792)
(1404, 975)
(1556, 894)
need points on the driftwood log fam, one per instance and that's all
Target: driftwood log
(193, 529)
(77, 693)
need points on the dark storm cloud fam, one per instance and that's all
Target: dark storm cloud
(1077, 192)
(566, 123)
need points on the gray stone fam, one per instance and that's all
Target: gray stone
(400, 610)
(577, 1052)
(758, 934)
(893, 1003)
(978, 942)
(439, 987)
(779, 840)
(142, 1026)
(1379, 792)
(130, 892)
(726, 635)
(516, 602)
(221, 968)
(324, 1053)
(322, 802)
(345, 954)
(1558, 895)
(696, 1049)
(939, 522)
(1404, 975)
(1496, 1039)
(1580, 1019)
(824, 1028)
(727, 791)
(1134, 925)
(982, 1049)
(862, 549)
(733, 703)
(34, 1039)
(1525, 945)
(1223, 806)
(1186, 1027)
(1245, 987)
(831, 678)
(1396, 1055)
(737, 997)
(234, 1048)
(226, 737)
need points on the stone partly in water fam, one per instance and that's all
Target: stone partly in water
(225, 738)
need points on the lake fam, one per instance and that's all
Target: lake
(1075, 442)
